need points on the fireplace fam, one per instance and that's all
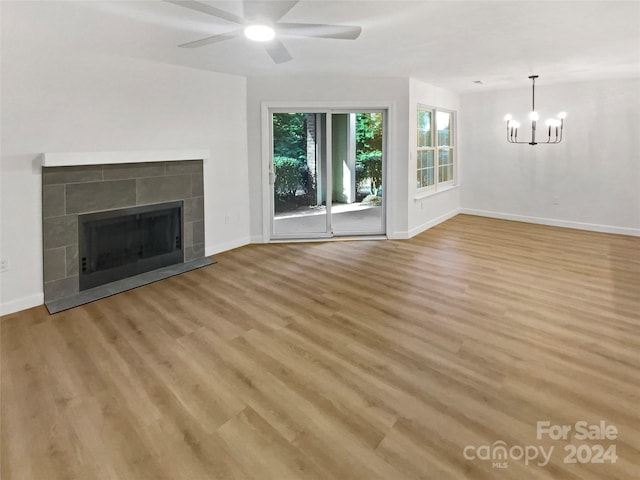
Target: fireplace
(121, 243)
(111, 223)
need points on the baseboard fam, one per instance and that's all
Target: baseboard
(223, 247)
(38, 298)
(553, 222)
(398, 235)
(431, 223)
(22, 304)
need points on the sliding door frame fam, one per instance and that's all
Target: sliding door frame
(327, 148)
(383, 223)
(327, 108)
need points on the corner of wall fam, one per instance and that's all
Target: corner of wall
(432, 222)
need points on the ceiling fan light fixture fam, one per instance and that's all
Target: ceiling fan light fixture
(261, 23)
(259, 33)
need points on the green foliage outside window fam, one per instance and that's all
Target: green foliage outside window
(290, 135)
(368, 133)
(291, 175)
(369, 166)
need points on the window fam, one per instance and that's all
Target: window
(426, 150)
(435, 149)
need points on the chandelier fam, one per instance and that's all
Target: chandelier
(554, 125)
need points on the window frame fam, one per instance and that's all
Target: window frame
(437, 184)
(426, 148)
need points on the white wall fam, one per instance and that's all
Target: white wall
(352, 92)
(69, 100)
(425, 212)
(591, 180)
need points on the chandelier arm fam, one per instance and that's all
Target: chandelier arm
(558, 134)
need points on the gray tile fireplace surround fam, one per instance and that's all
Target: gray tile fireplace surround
(73, 190)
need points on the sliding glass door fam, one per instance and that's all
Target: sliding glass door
(299, 175)
(357, 173)
(326, 173)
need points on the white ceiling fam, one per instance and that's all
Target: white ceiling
(446, 43)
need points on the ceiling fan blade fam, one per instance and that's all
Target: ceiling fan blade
(277, 51)
(208, 9)
(272, 10)
(209, 40)
(343, 32)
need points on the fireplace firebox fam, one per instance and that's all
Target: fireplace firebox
(118, 244)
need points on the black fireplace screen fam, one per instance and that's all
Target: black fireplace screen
(117, 244)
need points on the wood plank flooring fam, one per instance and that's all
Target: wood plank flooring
(345, 360)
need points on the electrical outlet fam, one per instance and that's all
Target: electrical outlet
(4, 264)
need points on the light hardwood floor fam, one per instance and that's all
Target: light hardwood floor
(345, 360)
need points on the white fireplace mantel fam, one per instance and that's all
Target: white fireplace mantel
(69, 159)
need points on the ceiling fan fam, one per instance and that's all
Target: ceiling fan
(260, 23)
